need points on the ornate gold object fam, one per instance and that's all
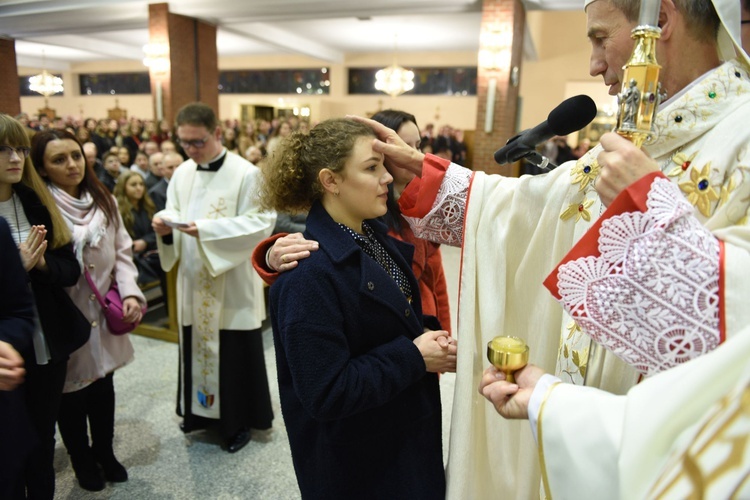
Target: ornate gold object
(640, 95)
(508, 354)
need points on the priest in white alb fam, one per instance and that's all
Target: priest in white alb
(209, 228)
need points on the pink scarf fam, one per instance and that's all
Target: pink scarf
(86, 221)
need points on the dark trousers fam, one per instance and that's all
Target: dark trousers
(243, 383)
(95, 403)
(44, 386)
(17, 439)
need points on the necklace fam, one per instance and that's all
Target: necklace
(15, 211)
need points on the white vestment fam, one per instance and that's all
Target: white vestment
(680, 434)
(514, 232)
(217, 288)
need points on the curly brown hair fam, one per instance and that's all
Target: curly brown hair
(290, 175)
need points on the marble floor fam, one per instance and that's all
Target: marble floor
(163, 463)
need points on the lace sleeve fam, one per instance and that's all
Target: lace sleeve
(444, 223)
(652, 296)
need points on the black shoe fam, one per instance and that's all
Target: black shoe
(87, 472)
(114, 471)
(238, 441)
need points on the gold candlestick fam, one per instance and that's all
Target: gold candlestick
(508, 354)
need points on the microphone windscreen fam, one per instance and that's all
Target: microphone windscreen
(572, 114)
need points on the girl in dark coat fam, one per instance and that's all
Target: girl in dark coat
(16, 330)
(47, 254)
(357, 369)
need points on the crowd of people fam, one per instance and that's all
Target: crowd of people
(645, 250)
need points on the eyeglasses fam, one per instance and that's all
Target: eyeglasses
(745, 21)
(7, 151)
(196, 143)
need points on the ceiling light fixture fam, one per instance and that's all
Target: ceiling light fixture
(45, 83)
(394, 80)
(157, 58)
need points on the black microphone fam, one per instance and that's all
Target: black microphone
(571, 115)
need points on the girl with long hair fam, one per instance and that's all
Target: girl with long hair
(103, 249)
(44, 241)
(428, 261)
(137, 209)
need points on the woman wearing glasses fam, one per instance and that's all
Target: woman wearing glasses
(43, 240)
(103, 248)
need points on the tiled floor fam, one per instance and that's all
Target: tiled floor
(165, 464)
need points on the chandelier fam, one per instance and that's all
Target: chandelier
(45, 83)
(394, 80)
(156, 58)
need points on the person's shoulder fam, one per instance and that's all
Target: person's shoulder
(239, 160)
(187, 167)
(26, 194)
(312, 270)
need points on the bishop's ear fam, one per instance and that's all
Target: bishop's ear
(667, 18)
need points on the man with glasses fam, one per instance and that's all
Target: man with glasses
(209, 228)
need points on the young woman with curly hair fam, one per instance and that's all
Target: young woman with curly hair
(357, 366)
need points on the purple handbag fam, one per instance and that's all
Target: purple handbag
(112, 306)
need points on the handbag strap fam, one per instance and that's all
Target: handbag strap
(95, 289)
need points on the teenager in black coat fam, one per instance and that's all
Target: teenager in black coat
(357, 368)
(16, 329)
(43, 240)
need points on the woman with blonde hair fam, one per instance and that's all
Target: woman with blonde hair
(44, 242)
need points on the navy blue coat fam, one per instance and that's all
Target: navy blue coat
(362, 413)
(16, 328)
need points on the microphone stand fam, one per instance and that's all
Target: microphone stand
(539, 161)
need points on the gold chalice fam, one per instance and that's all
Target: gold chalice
(508, 354)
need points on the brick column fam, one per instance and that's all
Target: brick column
(506, 19)
(193, 73)
(10, 94)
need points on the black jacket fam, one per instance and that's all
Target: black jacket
(17, 438)
(362, 414)
(65, 328)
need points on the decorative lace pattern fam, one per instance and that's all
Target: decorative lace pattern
(652, 297)
(444, 223)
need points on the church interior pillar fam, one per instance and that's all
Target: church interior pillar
(10, 95)
(185, 61)
(498, 73)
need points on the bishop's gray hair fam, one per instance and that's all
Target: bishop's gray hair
(700, 15)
